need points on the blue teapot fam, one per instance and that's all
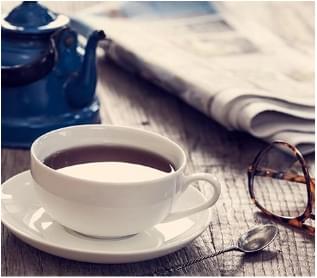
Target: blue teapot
(47, 80)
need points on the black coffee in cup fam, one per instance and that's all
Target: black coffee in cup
(112, 163)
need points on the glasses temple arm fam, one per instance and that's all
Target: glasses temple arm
(265, 172)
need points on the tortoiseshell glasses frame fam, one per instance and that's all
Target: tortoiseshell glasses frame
(253, 171)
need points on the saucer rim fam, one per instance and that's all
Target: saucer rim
(30, 240)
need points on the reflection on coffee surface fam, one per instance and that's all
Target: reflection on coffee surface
(110, 163)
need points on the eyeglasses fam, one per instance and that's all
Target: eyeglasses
(281, 187)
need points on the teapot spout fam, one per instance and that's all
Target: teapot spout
(80, 89)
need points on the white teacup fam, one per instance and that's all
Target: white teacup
(112, 209)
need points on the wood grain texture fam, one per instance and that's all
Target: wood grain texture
(128, 100)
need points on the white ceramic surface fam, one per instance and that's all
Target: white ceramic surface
(113, 209)
(23, 215)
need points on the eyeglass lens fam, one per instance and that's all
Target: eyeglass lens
(274, 193)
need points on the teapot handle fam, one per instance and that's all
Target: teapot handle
(18, 75)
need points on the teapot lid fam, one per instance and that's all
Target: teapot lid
(33, 18)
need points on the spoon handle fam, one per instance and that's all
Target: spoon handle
(231, 248)
(176, 268)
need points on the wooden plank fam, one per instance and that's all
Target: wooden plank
(129, 100)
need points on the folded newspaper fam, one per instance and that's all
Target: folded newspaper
(235, 71)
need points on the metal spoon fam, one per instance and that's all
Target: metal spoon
(252, 241)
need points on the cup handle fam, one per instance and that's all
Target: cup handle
(207, 204)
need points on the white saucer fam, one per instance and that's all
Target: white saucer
(23, 215)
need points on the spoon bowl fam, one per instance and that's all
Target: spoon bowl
(257, 238)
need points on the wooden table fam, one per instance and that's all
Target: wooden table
(129, 100)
